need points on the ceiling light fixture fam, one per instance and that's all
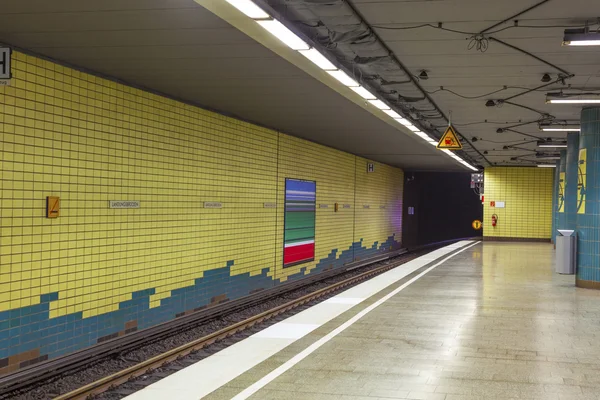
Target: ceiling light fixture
(490, 103)
(392, 114)
(423, 75)
(546, 78)
(282, 33)
(560, 127)
(249, 8)
(343, 78)
(581, 37)
(546, 165)
(547, 156)
(573, 98)
(551, 143)
(364, 93)
(318, 59)
(379, 104)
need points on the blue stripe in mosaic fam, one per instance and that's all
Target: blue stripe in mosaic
(29, 328)
(588, 224)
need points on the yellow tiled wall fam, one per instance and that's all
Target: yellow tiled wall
(90, 140)
(527, 193)
(378, 201)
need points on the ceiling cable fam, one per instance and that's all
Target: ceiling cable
(515, 16)
(440, 27)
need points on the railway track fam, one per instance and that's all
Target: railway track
(149, 365)
(69, 366)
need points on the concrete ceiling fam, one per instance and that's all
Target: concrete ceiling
(473, 75)
(179, 48)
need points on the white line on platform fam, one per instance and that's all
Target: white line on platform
(204, 377)
(310, 349)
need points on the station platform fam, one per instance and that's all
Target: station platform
(472, 320)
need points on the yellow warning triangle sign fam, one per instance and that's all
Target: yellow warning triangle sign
(449, 140)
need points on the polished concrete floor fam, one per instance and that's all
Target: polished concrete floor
(494, 322)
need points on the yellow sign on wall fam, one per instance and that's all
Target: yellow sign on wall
(561, 192)
(476, 224)
(581, 181)
(449, 140)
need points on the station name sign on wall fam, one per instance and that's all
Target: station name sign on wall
(123, 204)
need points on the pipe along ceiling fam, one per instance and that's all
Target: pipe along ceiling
(340, 32)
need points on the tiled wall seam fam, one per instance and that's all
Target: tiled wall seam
(96, 273)
(527, 193)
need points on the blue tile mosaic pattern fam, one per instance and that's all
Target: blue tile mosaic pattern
(30, 328)
(588, 224)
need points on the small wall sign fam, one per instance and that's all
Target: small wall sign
(52, 207)
(123, 204)
(213, 204)
(270, 205)
(370, 167)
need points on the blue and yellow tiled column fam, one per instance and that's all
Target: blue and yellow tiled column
(588, 200)
(572, 179)
(555, 202)
(561, 217)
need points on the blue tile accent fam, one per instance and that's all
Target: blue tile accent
(29, 328)
(588, 224)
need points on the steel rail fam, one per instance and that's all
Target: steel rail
(111, 381)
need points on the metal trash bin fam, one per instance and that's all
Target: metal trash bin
(566, 251)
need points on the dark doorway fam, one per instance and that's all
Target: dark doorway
(442, 207)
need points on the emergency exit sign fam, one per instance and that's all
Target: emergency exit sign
(5, 73)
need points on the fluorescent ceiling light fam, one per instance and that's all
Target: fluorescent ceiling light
(549, 129)
(379, 104)
(457, 158)
(574, 101)
(392, 114)
(249, 8)
(573, 98)
(581, 37)
(364, 93)
(403, 121)
(343, 78)
(547, 165)
(282, 33)
(412, 127)
(318, 59)
(549, 143)
(582, 43)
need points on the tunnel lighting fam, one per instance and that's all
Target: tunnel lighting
(546, 165)
(318, 59)
(282, 33)
(379, 104)
(393, 114)
(573, 98)
(581, 37)
(364, 93)
(343, 78)
(249, 8)
(549, 143)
